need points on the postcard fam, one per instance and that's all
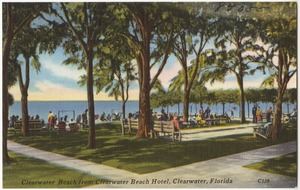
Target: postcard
(149, 94)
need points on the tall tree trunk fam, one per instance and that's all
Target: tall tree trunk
(242, 100)
(223, 108)
(24, 92)
(248, 103)
(5, 106)
(145, 113)
(240, 77)
(144, 74)
(283, 78)
(277, 119)
(186, 103)
(243, 118)
(90, 95)
(25, 117)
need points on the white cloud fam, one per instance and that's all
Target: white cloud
(167, 74)
(48, 90)
(63, 71)
(232, 84)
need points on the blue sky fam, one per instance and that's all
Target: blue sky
(59, 82)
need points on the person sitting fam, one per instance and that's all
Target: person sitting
(200, 121)
(176, 124)
(164, 116)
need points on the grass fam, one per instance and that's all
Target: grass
(142, 155)
(283, 165)
(26, 172)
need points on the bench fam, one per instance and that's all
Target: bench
(165, 127)
(262, 131)
(130, 124)
(33, 125)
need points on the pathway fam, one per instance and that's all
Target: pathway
(213, 132)
(227, 171)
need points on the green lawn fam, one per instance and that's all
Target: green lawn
(142, 155)
(283, 165)
(26, 172)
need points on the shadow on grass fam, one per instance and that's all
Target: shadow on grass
(20, 174)
(141, 155)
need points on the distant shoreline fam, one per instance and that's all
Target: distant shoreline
(76, 101)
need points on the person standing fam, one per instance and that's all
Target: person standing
(259, 114)
(254, 109)
(51, 120)
(84, 118)
(207, 112)
(269, 113)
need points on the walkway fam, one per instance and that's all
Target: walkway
(225, 172)
(213, 132)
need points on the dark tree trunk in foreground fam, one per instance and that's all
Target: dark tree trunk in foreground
(24, 98)
(186, 104)
(91, 109)
(5, 58)
(275, 134)
(283, 77)
(144, 101)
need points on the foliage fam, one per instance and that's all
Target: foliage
(290, 95)
(163, 98)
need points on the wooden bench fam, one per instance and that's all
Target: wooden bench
(130, 124)
(33, 125)
(262, 131)
(165, 127)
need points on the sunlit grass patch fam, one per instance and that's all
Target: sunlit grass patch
(283, 165)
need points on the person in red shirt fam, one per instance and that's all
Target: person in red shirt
(175, 121)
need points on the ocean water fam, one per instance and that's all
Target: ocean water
(42, 108)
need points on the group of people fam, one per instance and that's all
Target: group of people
(113, 117)
(161, 117)
(52, 119)
(204, 114)
(258, 114)
(164, 117)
